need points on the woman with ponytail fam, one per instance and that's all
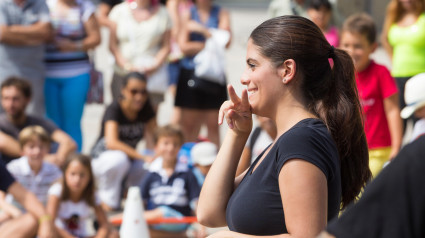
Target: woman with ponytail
(318, 162)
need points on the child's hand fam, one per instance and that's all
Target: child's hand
(237, 112)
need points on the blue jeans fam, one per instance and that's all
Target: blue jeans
(65, 99)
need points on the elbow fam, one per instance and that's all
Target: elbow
(203, 220)
(72, 145)
(92, 42)
(97, 39)
(96, 42)
(210, 219)
(110, 144)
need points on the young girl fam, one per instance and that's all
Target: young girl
(70, 201)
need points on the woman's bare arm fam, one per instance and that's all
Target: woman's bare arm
(220, 181)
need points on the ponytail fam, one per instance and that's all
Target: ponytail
(342, 113)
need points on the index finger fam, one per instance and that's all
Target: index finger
(232, 94)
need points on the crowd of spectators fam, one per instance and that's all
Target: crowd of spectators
(46, 60)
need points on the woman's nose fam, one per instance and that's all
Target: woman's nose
(244, 79)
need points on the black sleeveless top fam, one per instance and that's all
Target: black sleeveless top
(255, 207)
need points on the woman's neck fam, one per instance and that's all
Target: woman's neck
(408, 19)
(141, 5)
(127, 110)
(285, 122)
(289, 111)
(204, 7)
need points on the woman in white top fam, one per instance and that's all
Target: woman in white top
(140, 36)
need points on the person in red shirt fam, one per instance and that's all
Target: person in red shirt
(378, 92)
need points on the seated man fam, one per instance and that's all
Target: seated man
(15, 96)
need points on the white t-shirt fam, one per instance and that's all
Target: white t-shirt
(74, 217)
(139, 40)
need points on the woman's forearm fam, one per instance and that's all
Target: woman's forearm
(119, 145)
(192, 48)
(113, 47)
(93, 34)
(162, 54)
(219, 183)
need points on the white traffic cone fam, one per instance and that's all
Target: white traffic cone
(133, 222)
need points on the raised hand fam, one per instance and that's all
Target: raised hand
(237, 112)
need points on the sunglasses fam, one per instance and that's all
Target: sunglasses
(136, 91)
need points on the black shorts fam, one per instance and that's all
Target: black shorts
(195, 93)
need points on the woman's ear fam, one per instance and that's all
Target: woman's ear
(287, 70)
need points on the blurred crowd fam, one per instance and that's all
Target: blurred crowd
(175, 46)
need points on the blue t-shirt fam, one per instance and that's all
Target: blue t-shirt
(255, 207)
(177, 191)
(6, 178)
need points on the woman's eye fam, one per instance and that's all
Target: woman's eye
(251, 65)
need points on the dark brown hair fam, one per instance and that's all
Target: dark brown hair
(88, 193)
(317, 4)
(331, 93)
(21, 84)
(133, 75)
(30, 132)
(169, 130)
(363, 24)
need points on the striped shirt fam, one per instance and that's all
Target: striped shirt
(38, 184)
(70, 26)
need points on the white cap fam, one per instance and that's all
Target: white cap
(414, 95)
(204, 153)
